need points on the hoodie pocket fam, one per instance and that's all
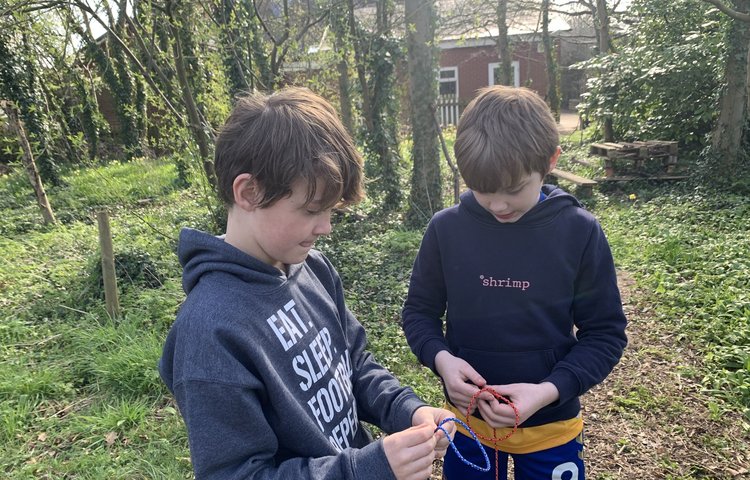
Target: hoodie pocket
(500, 368)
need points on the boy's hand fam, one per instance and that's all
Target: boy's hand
(460, 378)
(433, 417)
(527, 397)
(410, 452)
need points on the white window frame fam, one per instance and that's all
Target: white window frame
(514, 65)
(446, 80)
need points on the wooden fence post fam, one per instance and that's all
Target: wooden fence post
(108, 264)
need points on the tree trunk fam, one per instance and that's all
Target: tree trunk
(29, 164)
(359, 61)
(383, 138)
(345, 97)
(553, 80)
(257, 51)
(87, 117)
(230, 35)
(339, 20)
(605, 47)
(117, 86)
(426, 192)
(125, 91)
(602, 17)
(194, 119)
(726, 138)
(58, 109)
(504, 52)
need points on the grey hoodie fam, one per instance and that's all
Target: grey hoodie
(270, 370)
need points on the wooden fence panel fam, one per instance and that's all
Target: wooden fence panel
(448, 110)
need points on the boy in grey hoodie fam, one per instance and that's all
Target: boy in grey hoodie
(266, 362)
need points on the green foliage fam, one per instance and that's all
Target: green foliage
(664, 81)
(116, 72)
(85, 190)
(690, 250)
(117, 358)
(80, 395)
(19, 84)
(92, 123)
(133, 268)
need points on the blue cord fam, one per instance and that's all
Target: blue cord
(455, 449)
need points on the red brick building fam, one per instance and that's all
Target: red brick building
(465, 69)
(469, 61)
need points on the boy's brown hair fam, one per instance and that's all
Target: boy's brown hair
(504, 134)
(282, 137)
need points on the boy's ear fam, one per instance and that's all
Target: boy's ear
(245, 191)
(554, 158)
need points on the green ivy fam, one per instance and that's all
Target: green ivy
(664, 81)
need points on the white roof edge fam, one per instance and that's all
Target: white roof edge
(486, 40)
(466, 43)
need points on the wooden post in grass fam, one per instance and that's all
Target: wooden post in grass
(108, 264)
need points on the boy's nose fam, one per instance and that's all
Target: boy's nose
(323, 227)
(498, 206)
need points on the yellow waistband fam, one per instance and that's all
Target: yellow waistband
(524, 440)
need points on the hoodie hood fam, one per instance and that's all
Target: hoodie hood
(556, 200)
(201, 253)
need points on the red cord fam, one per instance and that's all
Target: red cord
(494, 439)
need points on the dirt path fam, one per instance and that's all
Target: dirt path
(650, 419)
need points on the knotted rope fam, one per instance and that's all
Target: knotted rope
(494, 438)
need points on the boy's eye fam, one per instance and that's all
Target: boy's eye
(515, 190)
(312, 211)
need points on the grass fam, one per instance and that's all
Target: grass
(691, 251)
(79, 393)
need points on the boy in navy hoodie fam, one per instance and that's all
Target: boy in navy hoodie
(266, 362)
(524, 278)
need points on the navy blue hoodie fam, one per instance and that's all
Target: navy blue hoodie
(270, 370)
(525, 302)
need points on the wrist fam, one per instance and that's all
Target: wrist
(440, 359)
(550, 392)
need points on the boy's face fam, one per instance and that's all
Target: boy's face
(283, 233)
(510, 206)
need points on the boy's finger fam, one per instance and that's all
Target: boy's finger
(441, 439)
(468, 390)
(474, 377)
(418, 435)
(485, 395)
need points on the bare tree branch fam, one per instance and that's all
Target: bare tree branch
(743, 17)
(30, 6)
(263, 24)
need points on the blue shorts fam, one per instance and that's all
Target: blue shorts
(558, 463)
